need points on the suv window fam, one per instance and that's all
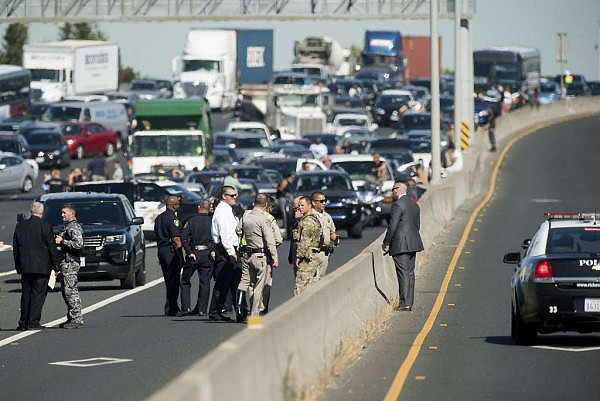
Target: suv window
(95, 129)
(151, 193)
(124, 188)
(93, 212)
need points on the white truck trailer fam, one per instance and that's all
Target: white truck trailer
(72, 67)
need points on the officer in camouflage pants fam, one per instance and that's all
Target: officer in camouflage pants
(308, 240)
(70, 242)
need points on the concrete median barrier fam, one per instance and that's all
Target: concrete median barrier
(299, 340)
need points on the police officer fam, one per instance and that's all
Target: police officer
(256, 228)
(308, 240)
(330, 238)
(199, 248)
(170, 255)
(278, 241)
(70, 242)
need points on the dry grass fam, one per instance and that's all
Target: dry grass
(349, 349)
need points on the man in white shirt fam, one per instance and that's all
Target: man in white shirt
(456, 159)
(226, 240)
(319, 148)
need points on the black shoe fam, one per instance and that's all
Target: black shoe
(36, 327)
(219, 317)
(202, 314)
(21, 328)
(172, 313)
(184, 313)
(194, 311)
(72, 325)
(405, 308)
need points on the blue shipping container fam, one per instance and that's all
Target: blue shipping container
(254, 56)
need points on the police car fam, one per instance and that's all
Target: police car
(556, 285)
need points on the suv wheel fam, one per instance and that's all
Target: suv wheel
(79, 152)
(27, 184)
(129, 281)
(356, 230)
(110, 149)
(140, 275)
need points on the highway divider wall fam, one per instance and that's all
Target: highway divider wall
(299, 340)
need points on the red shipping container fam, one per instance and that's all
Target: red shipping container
(416, 51)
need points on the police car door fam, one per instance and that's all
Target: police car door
(150, 203)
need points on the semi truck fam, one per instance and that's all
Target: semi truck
(322, 50)
(216, 62)
(72, 67)
(417, 53)
(382, 55)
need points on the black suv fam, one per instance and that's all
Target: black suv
(113, 241)
(343, 203)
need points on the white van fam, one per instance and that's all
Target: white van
(110, 114)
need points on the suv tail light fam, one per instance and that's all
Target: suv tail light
(543, 272)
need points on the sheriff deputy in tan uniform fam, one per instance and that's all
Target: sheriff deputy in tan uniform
(260, 241)
(330, 238)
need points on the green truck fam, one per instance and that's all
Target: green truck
(172, 133)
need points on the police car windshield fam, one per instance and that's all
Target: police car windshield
(183, 193)
(87, 212)
(573, 240)
(323, 182)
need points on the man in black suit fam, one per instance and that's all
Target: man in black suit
(35, 256)
(402, 241)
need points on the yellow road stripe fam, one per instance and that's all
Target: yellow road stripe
(398, 383)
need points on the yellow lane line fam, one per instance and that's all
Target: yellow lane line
(398, 383)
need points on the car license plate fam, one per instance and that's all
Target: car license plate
(39, 159)
(592, 305)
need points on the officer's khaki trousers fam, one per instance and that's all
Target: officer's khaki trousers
(258, 270)
(322, 263)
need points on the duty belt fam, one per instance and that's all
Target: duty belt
(201, 247)
(250, 251)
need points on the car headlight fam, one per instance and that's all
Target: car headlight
(115, 239)
(70, 141)
(56, 153)
(350, 201)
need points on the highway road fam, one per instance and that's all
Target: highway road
(127, 349)
(468, 354)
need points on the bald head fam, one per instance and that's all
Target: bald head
(261, 201)
(204, 206)
(173, 203)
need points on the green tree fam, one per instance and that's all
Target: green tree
(81, 31)
(127, 74)
(12, 44)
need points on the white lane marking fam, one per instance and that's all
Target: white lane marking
(545, 200)
(86, 363)
(5, 247)
(567, 349)
(7, 273)
(89, 309)
(150, 244)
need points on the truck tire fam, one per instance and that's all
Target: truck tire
(140, 275)
(356, 230)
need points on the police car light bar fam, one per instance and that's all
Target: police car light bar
(570, 216)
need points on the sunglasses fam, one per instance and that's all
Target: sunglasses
(395, 188)
(296, 208)
(321, 200)
(231, 195)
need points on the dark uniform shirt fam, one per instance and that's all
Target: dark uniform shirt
(56, 185)
(197, 232)
(166, 226)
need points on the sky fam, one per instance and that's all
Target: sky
(149, 47)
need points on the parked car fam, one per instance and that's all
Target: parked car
(145, 89)
(245, 145)
(386, 110)
(343, 122)
(49, 148)
(86, 138)
(285, 164)
(113, 242)
(594, 87)
(343, 205)
(253, 128)
(16, 173)
(330, 140)
(549, 92)
(13, 142)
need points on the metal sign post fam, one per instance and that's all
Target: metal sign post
(562, 57)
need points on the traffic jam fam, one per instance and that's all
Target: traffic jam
(335, 122)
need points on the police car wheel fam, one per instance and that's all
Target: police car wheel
(79, 152)
(521, 333)
(356, 230)
(27, 185)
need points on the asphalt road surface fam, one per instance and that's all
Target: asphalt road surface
(468, 354)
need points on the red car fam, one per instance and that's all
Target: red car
(89, 137)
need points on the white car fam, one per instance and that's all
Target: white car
(345, 121)
(359, 167)
(253, 128)
(16, 172)
(412, 103)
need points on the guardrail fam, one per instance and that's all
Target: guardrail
(299, 340)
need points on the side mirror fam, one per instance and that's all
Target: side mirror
(138, 221)
(526, 243)
(512, 258)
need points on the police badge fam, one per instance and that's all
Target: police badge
(176, 222)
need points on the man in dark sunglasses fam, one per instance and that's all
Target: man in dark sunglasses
(402, 241)
(329, 237)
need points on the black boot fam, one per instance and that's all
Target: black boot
(241, 308)
(266, 295)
